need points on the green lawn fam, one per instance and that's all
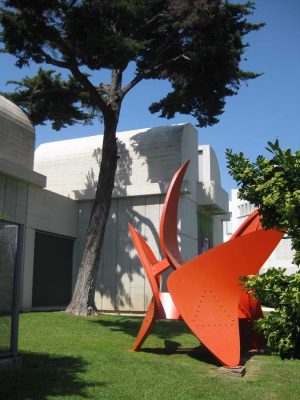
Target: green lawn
(67, 357)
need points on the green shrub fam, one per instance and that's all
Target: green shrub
(281, 327)
(273, 186)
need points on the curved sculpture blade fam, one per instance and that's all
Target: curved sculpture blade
(206, 290)
(161, 305)
(251, 224)
(249, 308)
(147, 259)
(168, 223)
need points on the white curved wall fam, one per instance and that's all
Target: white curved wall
(148, 160)
(17, 136)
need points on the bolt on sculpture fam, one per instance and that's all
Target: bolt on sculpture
(206, 292)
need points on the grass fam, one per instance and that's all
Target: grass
(66, 357)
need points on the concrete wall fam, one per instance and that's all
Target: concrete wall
(51, 213)
(13, 199)
(210, 194)
(187, 227)
(217, 230)
(212, 199)
(121, 283)
(36, 209)
(17, 136)
(13, 206)
(208, 165)
(148, 160)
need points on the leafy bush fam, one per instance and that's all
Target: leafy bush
(273, 186)
(282, 326)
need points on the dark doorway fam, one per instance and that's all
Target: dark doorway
(52, 276)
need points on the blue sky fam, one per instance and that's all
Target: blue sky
(265, 109)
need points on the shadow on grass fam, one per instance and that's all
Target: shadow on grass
(130, 326)
(246, 355)
(165, 330)
(44, 375)
(168, 330)
(199, 353)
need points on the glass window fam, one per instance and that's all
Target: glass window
(8, 254)
(205, 233)
(229, 225)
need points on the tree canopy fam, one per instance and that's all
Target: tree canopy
(196, 45)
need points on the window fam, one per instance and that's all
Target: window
(9, 277)
(229, 226)
(205, 233)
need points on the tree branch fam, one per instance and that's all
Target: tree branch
(139, 77)
(164, 46)
(53, 61)
(82, 78)
(90, 88)
(115, 92)
(72, 65)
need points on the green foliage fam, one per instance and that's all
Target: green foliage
(39, 96)
(273, 185)
(196, 45)
(208, 70)
(282, 326)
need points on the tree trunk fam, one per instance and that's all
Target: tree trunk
(83, 302)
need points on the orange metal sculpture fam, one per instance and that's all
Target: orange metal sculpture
(205, 291)
(161, 305)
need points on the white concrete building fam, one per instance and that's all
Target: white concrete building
(52, 205)
(239, 210)
(26, 209)
(38, 213)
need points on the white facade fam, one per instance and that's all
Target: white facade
(148, 160)
(240, 209)
(23, 199)
(52, 204)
